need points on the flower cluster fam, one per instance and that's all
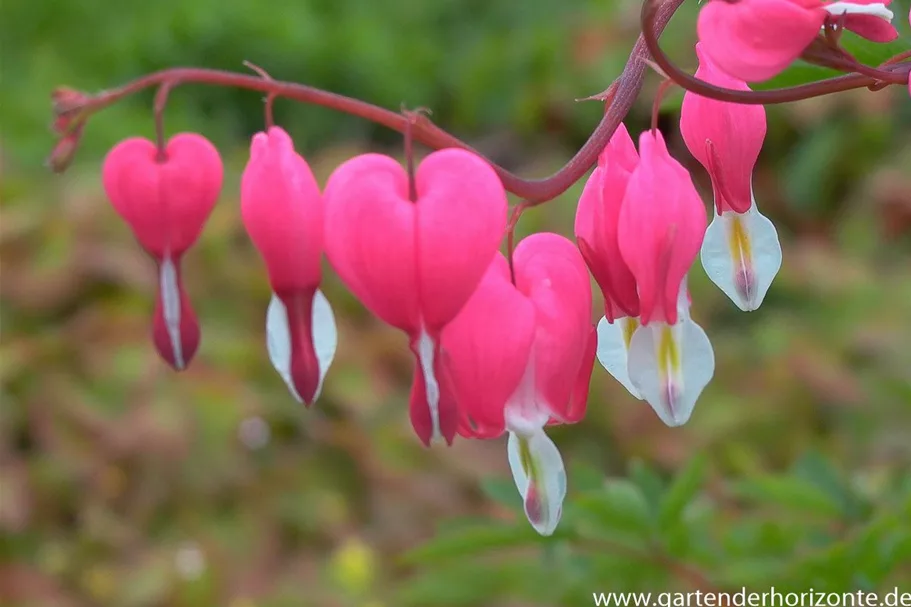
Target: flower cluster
(502, 344)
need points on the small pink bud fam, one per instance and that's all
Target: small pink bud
(66, 100)
(64, 151)
(724, 137)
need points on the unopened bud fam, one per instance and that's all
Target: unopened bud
(62, 154)
(66, 100)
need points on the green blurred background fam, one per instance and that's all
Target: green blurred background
(123, 484)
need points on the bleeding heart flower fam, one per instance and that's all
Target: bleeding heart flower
(520, 357)
(282, 210)
(596, 228)
(166, 201)
(414, 264)
(662, 223)
(754, 40)
(740, 253)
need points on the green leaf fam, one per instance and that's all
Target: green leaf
(584, 477)
(751, 572)
(818, 471)
(457, 584)
(798, 73)
(682, 490)
(649, 482)
(874, 53)
(790, 492)
(619, 505)
(474, 539)
(865, 51)
(503, 492)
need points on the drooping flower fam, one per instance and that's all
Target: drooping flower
(282, 210)
(662, 222)
(740, 253)
(754, 40)
(415, 264)
(596, 230)
(520, 357)
(166, 199)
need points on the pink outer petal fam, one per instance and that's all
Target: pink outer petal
(551, 273)
(282, 211)
(662, 224)
(735, 130)
(756, 39)
(596, 225)
(871, 27)
(461, 220)
(165, 203)
(485, 350)
(369, 237)
(414, 264)
(579, 401)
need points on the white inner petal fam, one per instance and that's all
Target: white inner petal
(325, 337)
(425, 354)
(170, 302)
(670, 365)
(741, 254)
(613, 349)
(540, 477)
(278, 339)
(877, 9)
(525, 411)
(278, 342)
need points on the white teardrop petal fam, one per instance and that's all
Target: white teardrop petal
(540, 476)
(766, 252)
(325, 337)
(515, 464)
(170, 303)
(741, 255)
(432, 388)
(278, 342)
(613, 349)
(278, 339)
(670, 365)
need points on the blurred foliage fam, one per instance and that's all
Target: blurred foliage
(124, 485)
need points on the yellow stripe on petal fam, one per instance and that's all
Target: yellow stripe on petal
(742, 255)
(629, 324)
(668, 352)
(540, 477)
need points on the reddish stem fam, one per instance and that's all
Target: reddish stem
(161, 101)
(511, 236)
(656, 105)
(655, 16)
(534, 191)
(411, 117)
(270, 98)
